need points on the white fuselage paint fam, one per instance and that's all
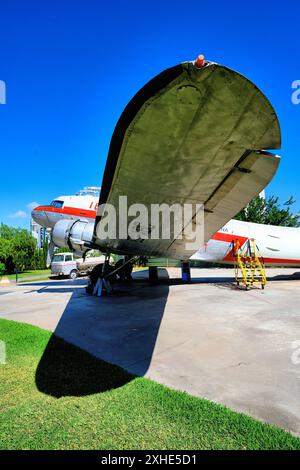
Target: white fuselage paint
(279, 246)
(66, 207)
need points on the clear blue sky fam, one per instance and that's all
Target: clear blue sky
(70, 67)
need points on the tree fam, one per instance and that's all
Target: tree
(269, 211)
(2, 268)
(63, 249)
(45, 253)
(38, 261)
(94, 253)
(6, 237)
(17, 248)
(5, 249)
(23, 250)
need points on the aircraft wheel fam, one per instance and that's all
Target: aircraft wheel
(124, 273)
(97, 272)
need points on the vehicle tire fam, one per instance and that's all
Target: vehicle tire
(73, 274)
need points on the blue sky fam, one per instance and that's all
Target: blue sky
(70, 67)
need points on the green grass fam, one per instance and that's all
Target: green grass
(41, 272)
(55, 396)
(39, 279)
(31, 272)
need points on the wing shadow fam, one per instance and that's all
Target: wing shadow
(102, 343)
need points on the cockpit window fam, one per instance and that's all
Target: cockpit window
(57, 203)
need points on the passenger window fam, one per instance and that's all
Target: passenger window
(68, 258)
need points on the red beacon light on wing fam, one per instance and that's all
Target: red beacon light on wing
(200, 61)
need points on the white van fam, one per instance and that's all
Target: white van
(65, 264)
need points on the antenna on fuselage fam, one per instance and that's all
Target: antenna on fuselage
(90, 191)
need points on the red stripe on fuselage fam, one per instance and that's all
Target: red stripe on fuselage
(219, 236)
(229, 238)
(281, 261)
(68, 211)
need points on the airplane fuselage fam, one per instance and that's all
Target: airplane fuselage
(66, 207)
(279, 246)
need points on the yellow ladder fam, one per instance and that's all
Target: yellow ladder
(248, 264)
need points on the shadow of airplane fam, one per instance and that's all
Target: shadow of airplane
(103, 343)
(98, 340)
(67, 370)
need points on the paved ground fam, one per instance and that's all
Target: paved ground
(208, 338)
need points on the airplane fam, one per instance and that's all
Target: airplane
(278, 246)
(82, 206)
(197, 132)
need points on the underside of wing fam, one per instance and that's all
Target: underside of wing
(190, 136)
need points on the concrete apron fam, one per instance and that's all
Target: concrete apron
(208, 338)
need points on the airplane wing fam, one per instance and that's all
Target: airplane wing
(190, 135)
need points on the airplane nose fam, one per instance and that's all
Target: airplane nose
(39, 216)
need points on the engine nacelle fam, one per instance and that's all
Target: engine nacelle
(74, 235)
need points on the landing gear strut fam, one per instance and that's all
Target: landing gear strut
(153, 274)
(186, 271)
(104, 275)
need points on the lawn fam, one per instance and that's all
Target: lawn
(44, 274)
(31, 272)
(55, 396)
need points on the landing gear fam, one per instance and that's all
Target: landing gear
(104, 275)
(98, 284)
(153, 274)
(123, 270)
(186, 271)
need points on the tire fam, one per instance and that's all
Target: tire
(73, 274)
(97, 272)
(125, 273)
(89, 289)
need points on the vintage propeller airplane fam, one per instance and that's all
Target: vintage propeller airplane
(279, 246)
(196, 133)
